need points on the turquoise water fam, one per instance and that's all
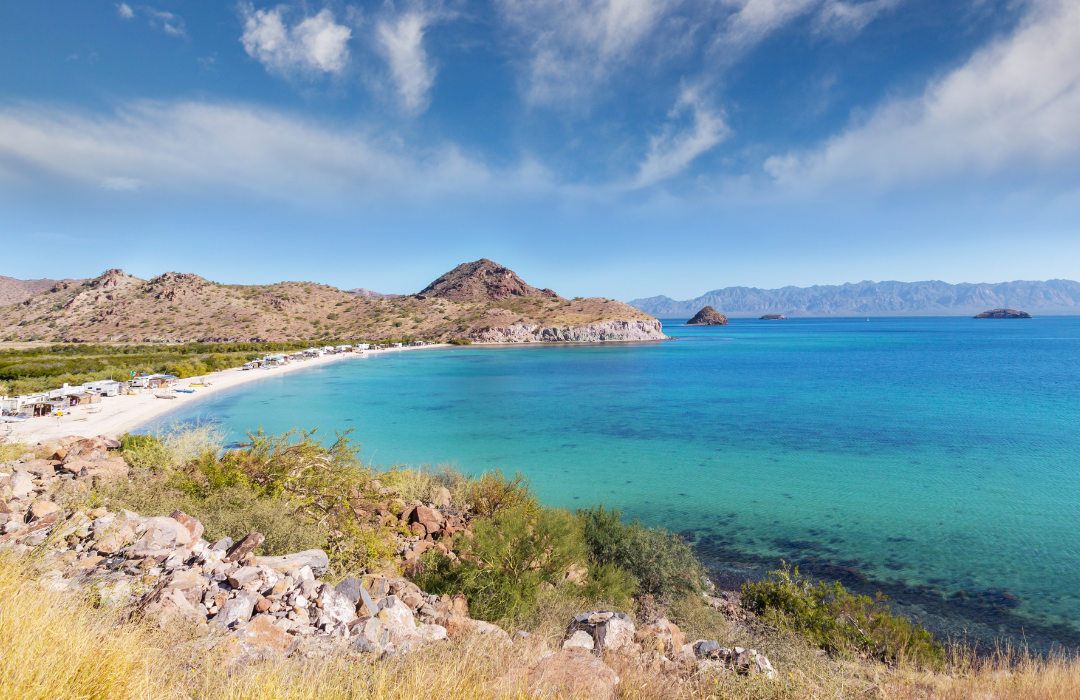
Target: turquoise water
(935, 459)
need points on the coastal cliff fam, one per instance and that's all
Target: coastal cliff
(606, 331)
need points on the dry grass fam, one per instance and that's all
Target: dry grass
(56, 645)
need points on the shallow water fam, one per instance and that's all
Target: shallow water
(935, 459)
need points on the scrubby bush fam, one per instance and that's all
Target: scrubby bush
(509, 557)
(298, 493)
(662, 565)
(492, 492)
(838, 621)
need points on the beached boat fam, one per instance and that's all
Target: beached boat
(165, 396)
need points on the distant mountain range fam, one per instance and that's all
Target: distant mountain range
(931, 298)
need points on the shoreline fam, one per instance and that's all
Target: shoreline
(117, 415)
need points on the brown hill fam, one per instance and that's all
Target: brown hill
(12, 291)
(368, 294)
(176, 307)
(483, 281)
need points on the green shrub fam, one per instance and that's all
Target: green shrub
(662, 564)
(838, 621)
(492, 492)
(460, 341)
(503, 567)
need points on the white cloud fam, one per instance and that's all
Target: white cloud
(845, 18)
(1011, 107)
(754, 19)
(672, 151)
(402, 44)
(315, 44)
(125, 11)
(169, 23)
(575, 45)
(212, 148)
(122, 184)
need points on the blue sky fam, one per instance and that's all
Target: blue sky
(620, 148)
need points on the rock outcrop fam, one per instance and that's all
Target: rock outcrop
(1003, 313)
(708, 316)
(609, 330)
(482, 281)
(773, 317)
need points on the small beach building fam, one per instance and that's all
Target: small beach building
(104, 387)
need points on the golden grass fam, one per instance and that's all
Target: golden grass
(54, 644)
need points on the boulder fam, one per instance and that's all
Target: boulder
(398, 619)
(442, 497)
(237, 609)
(662, 636)
(579, 640)
(262, 635)
(609, 630)
(193, 526)
(350, 588)
(41, 509)
(22, 485)
(245, 546)
(336, 606)
(316, 559)
(573, 673)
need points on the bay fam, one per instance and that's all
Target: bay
(934, 459)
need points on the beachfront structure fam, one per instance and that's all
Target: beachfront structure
(362, 346)
(104, 387)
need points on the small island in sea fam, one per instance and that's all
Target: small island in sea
(1003, 313)
(708, 317)
(773, 317)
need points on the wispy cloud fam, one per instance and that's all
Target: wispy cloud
(191, 147)
(847, 18)
(673, 150)
(1011, 107)
(166, 21)
(316, 44)
(401, 42)
(125, 11)
(575, 45)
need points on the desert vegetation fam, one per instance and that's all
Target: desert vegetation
(520, 564)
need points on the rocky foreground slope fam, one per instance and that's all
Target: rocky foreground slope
(479, 301)
(252, 607)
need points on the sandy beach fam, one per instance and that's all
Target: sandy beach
(117, 415)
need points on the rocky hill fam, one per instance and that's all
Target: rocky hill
(708, 317)
(482, 281)
(479, 301)
(368, 294)
(12, 291)
(876, 298)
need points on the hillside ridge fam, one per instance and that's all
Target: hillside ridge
(876, 298)
(481, 301)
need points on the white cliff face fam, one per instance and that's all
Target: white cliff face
(607, 331)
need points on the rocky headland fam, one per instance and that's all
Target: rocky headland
(708, 316)
(1003, 313)
(481, 300)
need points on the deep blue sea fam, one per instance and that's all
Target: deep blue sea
(934, 459)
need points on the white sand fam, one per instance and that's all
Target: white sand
(117, 415)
